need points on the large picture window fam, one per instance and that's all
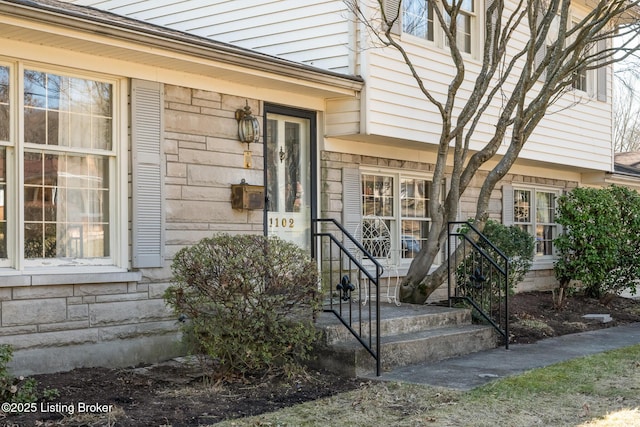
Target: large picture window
(62, 178)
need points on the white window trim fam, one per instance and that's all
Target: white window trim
(118, 179)
(540, 262)
(439, 40)
(591, 75)
(396, 243)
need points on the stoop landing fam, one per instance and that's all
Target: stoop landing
(410, 334)
(394, 320)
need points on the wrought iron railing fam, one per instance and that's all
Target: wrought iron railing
(350, 274)
(479, 275)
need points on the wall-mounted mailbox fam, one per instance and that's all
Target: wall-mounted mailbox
(245, 196)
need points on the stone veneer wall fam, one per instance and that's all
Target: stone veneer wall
(61, 321)
(331, 199)
(331, 165)
(58, 322)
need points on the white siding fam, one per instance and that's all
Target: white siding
(314, 32)
(575, 132)
(342, 117)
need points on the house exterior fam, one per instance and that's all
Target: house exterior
(105, 180)
(379, 148)
(119, 146)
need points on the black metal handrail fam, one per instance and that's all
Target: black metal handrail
(338, 265)
(479, 275)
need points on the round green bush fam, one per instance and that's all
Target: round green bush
(516, 244)
(600, 248)
(249, 301)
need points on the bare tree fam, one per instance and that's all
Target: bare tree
(626, 108)
(524, 82)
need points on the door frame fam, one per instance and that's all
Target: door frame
(313, 159)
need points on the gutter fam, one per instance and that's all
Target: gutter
(115, 26)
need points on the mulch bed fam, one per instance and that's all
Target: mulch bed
(176, 394)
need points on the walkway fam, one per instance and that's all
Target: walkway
(473, 370)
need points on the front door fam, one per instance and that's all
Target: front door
(288, 160)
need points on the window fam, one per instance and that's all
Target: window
(581, 77)
(65, 161)
(418, 20)
(402, 202)
(534, 212)
(580, 81)
(414, 198)
(4, 139)
(464, 26)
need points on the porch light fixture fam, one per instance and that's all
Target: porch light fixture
(248, 130)
(248, 125)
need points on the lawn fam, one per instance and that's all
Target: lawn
(597, 391)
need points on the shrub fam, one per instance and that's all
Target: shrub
(601, 244)
(249, 300)
(516, 244)
(12, 389)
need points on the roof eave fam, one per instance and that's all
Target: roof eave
(127, 30)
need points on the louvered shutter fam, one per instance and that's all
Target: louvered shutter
(393, 12)
(507, 204)
(602, 74)
(351, 199)
(351, 208)
(542, 52)
(147, 105)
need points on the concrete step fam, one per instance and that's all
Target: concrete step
(352, 359)
(394, 320)
(410, 334)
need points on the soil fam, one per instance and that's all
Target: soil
(176, 394)
(533, 316)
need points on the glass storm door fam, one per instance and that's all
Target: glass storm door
(288, 179)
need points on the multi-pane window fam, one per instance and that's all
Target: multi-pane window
(582, 77)
(414, 199)
(402, 203)
(534, 211)
(464, 26)
(418, 20)
(4, 104)
(3, 203)
(4, 139)
(580, 81)
(66, 158)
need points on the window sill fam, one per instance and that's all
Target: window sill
(543, 264)
(66, 276)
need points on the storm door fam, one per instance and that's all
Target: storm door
(289, 183)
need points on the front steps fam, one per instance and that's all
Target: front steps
(410, 334)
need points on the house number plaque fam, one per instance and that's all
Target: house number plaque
(281, 222)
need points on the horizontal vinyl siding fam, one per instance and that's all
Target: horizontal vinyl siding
(571, 134)
(313, 32)
(342, 117)
(396, 105)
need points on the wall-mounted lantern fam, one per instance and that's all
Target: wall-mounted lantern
(248, 130)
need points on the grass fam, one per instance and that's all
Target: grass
(596, 391)
(535, 325)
